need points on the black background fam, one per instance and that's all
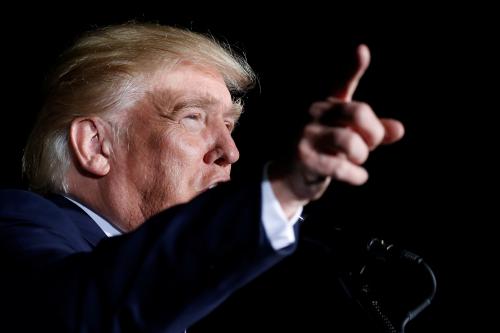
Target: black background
(430, 68)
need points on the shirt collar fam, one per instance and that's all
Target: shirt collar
(109, 229)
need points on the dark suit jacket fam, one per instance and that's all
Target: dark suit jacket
(60, 273)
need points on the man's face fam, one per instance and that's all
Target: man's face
(179, 140)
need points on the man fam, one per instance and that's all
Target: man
(134, 134)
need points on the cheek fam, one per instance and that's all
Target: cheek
(182, 169)
(182, 152)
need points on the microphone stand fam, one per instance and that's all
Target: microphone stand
(382, 251)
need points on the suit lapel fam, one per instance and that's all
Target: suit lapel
(89, 229)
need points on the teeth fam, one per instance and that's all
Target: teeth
(212, 186)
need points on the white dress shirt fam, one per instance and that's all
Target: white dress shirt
(109, 229)
(279, 229)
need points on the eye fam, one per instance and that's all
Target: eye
(193, 121)
(194, 116)
(230, 125)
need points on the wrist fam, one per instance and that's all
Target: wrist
(294, 185)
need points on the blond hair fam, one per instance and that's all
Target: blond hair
(102, 74)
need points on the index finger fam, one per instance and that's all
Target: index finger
(346, 91)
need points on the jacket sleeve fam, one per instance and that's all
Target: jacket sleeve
(162, 277)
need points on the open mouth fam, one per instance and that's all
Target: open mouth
(212, 186)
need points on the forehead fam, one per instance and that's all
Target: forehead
(189, 80)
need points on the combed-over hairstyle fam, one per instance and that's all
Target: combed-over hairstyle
(103, 73)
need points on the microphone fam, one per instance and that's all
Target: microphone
(384, 252)
(381, 250)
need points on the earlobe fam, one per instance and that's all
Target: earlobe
(90, 145)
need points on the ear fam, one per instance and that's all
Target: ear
(90, 139)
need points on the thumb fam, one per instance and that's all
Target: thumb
(346, 91)
(394, 130)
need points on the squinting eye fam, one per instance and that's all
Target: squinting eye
(230, 126)
(195, 116)
(193, 121)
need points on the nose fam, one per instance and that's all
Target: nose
(224, 151)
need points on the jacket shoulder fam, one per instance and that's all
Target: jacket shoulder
(24, 214)
(18, 204)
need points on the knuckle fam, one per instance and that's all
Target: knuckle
(363, 154)
(362, 113)
(359, 151)
(350, 143)
(341, 169)
(334, 100)
(317, 108)
(378, 134)
(365, 119)
(374, 134)
(345, 140)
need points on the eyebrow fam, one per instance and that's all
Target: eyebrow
(167, 100)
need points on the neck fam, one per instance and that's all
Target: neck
(114, 202)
